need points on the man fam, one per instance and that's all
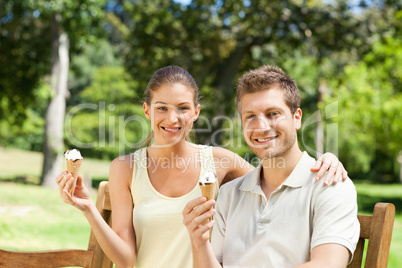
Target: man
(275, 215)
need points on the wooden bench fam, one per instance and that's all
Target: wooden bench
(93, 257)
(377, 229)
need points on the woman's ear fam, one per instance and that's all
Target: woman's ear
(197, 112)
(147, 110)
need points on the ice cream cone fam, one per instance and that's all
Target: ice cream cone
(73, 167)
(208, 190)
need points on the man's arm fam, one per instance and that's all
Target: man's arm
(327, 255)
(196, 216)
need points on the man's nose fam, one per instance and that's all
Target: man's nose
(262, 124)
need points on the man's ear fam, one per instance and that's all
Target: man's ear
(147, 110)
(297, 118)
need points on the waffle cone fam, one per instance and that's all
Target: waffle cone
(208, 190)
(73, 167)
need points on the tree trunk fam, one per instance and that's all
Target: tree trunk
(53, 142)
(319, 131)
(400, 166)
(224, 92)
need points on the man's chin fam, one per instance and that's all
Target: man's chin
(265, 154)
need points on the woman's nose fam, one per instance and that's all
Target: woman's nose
(173, 116)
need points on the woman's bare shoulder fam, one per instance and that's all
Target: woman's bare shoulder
(121, 168)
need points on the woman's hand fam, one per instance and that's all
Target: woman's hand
(329, 162)
(81, 198)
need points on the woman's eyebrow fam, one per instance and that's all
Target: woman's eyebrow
(161, 102)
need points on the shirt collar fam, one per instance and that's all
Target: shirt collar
(252, 179)
(296, 179)
(301, 172)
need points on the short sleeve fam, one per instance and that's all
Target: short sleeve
(335, 216)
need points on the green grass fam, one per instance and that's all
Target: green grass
(25, 166)
(35, 218)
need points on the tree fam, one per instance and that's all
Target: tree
(369, 96)
(69, 23)
(218, 40)
(370, 101)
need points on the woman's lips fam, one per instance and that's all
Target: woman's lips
(171, 129)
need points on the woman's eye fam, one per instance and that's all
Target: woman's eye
(162, 108)
(183, 108)
(250, 116)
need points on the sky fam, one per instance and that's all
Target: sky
(184, 2)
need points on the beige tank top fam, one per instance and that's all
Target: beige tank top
(161, 237)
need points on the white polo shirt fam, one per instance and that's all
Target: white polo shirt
(251, 231)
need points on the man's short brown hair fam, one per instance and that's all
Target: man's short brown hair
(265, 78)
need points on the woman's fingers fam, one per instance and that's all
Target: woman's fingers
(338, 174)
(60, 177)
(317, 165)
(65, 190)
(323, 169)
(330, 175)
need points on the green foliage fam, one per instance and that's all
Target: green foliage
(28, 134)
(25, 46)
(85, 63)
(370, 100)
(218, 40)
(107, 122)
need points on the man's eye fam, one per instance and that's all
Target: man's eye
(272, 114)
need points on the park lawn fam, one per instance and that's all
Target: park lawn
(26, 166)
(35, 218)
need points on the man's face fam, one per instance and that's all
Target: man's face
(269, 127)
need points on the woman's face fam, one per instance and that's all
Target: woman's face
(172, 113)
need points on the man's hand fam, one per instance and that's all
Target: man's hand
(196, 217)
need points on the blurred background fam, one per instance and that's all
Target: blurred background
(72, 75)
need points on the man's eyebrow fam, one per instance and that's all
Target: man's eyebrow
(265, 111)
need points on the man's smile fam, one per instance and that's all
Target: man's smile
(266, 140)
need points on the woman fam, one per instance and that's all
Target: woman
(150, 187)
